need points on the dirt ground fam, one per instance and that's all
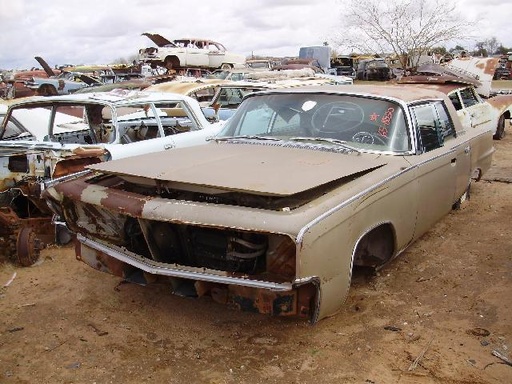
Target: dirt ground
(440, 313)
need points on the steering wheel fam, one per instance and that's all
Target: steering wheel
(337, 117)
(368, 138)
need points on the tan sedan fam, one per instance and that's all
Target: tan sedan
(274, 213)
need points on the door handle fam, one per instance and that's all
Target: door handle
(168, 146)
(467, 149)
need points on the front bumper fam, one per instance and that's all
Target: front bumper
(295, 298)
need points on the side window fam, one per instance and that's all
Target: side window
(428, 126)
(13, 127)
(175, 118)
(204, 95)
(137, 122)
(469, 98)
(230, 96)
(446, 127)
(454, 97)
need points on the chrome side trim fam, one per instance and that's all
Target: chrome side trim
(193, 273)
(331, 211)
(50, 183)
(318, 219)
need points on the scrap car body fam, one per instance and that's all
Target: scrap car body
(271, 215)
(46, 138)
(467, 82)
(61, 83)
(188, 52)
(373, 69)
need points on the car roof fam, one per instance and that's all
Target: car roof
(446, 88)
(403, 92)
(186, 86)
(118, 96)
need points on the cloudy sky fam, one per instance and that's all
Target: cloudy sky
(101, 32)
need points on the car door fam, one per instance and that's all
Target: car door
(216, 56)
(442, 167)
(197, 55)
(160, 126)
(472, 110)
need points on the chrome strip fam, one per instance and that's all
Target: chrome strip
(203, 274)
(331, 211)
(50, 183)
(344, 203)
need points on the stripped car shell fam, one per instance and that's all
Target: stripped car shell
(25, 218)
(271, 216)
(43, 139)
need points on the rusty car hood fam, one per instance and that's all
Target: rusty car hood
(263, 169)
(476, 71)
(159, 40)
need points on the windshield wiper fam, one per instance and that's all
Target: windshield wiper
(250, 137)
(341, 143)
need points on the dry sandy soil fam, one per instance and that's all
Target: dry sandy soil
(440, 313)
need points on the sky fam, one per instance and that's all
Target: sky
(103, 32)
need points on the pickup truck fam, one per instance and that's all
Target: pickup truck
(43, 139)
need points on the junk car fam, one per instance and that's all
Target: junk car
(62, 82)
(344, 66)
(467, 82)
(373, 69)
(188, 52)
(228, 96)
(272, 215)
(202, 90)
(46, 138)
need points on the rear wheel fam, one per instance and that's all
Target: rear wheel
(226, 66)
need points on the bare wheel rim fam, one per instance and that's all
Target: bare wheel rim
(28, 247)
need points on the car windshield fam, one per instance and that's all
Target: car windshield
(360, 122)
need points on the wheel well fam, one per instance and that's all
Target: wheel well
(500, 128)
(47, 90)
(376, 247)
(174, 61)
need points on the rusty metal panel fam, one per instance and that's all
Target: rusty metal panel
(481, 68)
